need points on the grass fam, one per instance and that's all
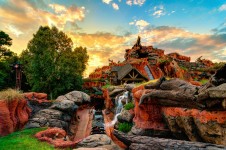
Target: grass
(129, 106)
(106, 86)
(10, 94)
(203, 81)
(24, 140)
(125, 127)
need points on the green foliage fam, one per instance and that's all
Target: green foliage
(204, 81)
(50, 63)
(184, 68)
(129, 106)
(106, 86)
(7, 57)
(164, 61)
(5, 40)
(24, 140)
(7, 76)
(125, 127)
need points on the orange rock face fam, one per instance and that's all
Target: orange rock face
(14, 115)
(179, 57)
(108, 102)
(147, 115)
(57, 137)
(207, 126)
(109, 129)
(38, 97)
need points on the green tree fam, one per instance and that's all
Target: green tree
(50, 63)
(5, 40)
(7, 58)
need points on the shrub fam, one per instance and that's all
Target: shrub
(10, 94)
(125, 127)
(129, 106)
(106, 86)
(204, 81)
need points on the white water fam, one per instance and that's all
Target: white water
(118, 102)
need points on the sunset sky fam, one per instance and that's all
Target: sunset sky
(107, 27)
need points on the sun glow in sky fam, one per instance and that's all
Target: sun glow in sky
(108, 27)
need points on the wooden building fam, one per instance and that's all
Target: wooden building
(126, 74)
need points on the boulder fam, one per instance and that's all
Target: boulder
(129, 87)
(77, 97)
(56, 137)
(150, 132)
(98, 141)
(126, 115)
(219, 77)
(135, 142)
(64, 105)
(196, 125)
(51, 118)
(179, 85)
(37, 101)
(218, 92)
(14, 115)
(116, 92)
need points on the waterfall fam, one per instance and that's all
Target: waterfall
(118, 102)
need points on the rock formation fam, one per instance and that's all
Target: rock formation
(14, 113)
(60, 113)
(135, 142)
(188, 112)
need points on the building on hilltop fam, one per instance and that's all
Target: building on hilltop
(143, 63)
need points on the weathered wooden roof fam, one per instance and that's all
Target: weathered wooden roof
(115, 68)
(126, 69)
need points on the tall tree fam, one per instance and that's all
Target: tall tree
(7, 57)
(51, 65)
(5, 40)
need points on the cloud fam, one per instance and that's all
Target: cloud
(101, 46)
(129, 2)
(135, 2)
(173, 39)
(131, 23)
(222, 7)
(14, 30)
(159, 11)
(115, 6)
(140, 24)
(138, 2)
(21, 19)
(106, 1)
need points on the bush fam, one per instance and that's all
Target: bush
(10, 94)
(106, 86)
(129, 106)
(125, 127)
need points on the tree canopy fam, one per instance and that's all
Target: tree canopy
(50, 63)
(7, 58)
(5, 40)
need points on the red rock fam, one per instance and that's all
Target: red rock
(198, 125)
(40, 95)
(56, 137)
(108, 117)
(14, 115)
(179, 57)
(108, 101)
(195, 83)
(147, 115)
